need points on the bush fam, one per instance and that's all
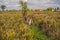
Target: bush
(50, 28)
(49, 23)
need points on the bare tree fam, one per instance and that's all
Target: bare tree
(24, 8)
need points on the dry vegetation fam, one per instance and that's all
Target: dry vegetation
(49, 23)
(12, 27)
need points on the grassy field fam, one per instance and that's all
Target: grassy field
(46, 26)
